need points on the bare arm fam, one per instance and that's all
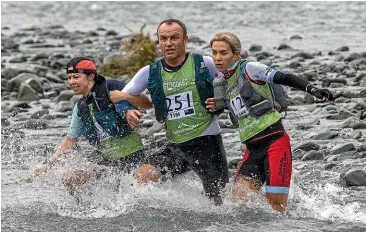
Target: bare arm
(139, 101)
(63, 149)
(132, 92)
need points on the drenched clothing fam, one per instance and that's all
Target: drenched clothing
(179, 99)
(193, 132)
(140, 81)
(251, 104)
(76, 129)
(103, 123)
(126, 164)
(268, 158)
(204, 155)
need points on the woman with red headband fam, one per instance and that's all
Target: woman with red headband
(102, 122)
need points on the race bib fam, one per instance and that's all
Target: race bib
(238, 106)
(180, 105)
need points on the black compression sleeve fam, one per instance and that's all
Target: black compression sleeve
(292, 81)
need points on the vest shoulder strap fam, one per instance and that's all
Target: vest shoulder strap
(203, 82)
(103, 99)
(155, 87)
(243, 64)
(203, 78)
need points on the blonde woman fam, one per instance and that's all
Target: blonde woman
(268, 155)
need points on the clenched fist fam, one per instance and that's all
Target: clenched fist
(322, 94)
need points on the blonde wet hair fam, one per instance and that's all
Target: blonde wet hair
(229, 38)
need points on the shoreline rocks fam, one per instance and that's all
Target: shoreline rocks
(36, 96)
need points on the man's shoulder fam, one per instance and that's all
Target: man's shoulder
(207, 59)
(145, 69)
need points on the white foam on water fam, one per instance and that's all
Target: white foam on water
(116, 195)
(325, 202)
(183, 193)
(94, 6)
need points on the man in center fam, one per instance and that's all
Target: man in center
(180, 84)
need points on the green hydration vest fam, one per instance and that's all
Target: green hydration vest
(179, 98)
(251, 104)
(104, 127)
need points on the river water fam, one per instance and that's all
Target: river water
(323, 25)
(117, 203)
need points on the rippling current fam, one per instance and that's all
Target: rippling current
(322, 25)
(116, 203)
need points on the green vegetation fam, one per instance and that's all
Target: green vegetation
(138, 50)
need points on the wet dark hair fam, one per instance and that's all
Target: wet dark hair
(170, 22)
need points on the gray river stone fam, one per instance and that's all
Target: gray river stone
(354, 178)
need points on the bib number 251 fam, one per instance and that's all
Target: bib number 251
(180, 105)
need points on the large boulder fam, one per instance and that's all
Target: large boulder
(27, 93)
(14, 84)
(12, 70)
(65, 95)
(354, 178)
(325, 135)
(64, 106)
(313, 155)
(39, 114)
(35, 84)
(343, 148)
(308, 146)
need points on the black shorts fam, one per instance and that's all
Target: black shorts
(204, 155)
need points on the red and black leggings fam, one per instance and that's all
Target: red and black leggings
(268, 159)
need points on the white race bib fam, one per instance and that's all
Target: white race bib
(180, 105)
(238, 106)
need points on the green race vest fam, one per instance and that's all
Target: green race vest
(203, 81)
(116, 148)
(112, 146)
(186, 118)
(250, 124)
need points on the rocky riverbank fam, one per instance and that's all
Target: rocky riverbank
(327, 137)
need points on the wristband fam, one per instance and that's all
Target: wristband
(124, 113)
(310, 88)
